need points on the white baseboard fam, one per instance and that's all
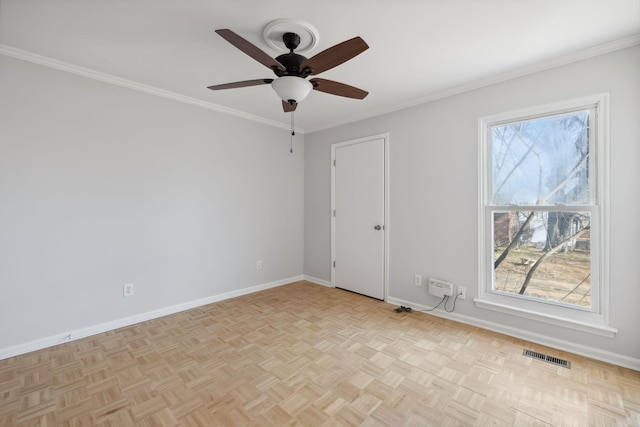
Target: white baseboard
(317, 281)
(579, 349)
(77, 334)
(594, 353)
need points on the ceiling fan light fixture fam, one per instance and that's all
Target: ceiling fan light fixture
(292, 69)
(292, 88)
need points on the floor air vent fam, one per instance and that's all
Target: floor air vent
(547, 358)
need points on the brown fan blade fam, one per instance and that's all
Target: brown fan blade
(288, 107)
(337, 88)
(241, 84)
(335, 55)
(250, 49)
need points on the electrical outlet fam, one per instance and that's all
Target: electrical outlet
(417, 280)
(462, 292)
(127, 290)
(259, 264)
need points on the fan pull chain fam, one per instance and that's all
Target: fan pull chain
(293, 132)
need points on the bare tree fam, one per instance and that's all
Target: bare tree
(546, 255)
(526, 223)
(566, 228)
(515, 240)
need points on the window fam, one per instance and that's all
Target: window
(543, 251)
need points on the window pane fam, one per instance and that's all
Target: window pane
(541, 161)
(550, 257)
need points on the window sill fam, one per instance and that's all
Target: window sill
(588, 327)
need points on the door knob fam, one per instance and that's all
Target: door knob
(377, 227)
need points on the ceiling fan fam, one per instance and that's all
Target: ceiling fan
(292, 69)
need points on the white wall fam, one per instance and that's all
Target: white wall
(102, 186)
(433, 195)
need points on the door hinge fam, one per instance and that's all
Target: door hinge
(334, 212)
(334, 264)
(334, 163)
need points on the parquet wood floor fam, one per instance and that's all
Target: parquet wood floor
(307, 355)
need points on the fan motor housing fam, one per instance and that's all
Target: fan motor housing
(292, 62)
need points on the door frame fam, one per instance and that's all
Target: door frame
(334, 146)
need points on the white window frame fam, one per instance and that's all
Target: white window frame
(596, 319)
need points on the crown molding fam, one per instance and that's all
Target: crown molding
(569, 58)
(548, 64)
(130, 84)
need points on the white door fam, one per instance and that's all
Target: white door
(359, 216)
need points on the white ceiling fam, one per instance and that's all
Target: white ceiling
(418, 48)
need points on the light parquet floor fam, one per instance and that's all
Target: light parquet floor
(307, 355)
